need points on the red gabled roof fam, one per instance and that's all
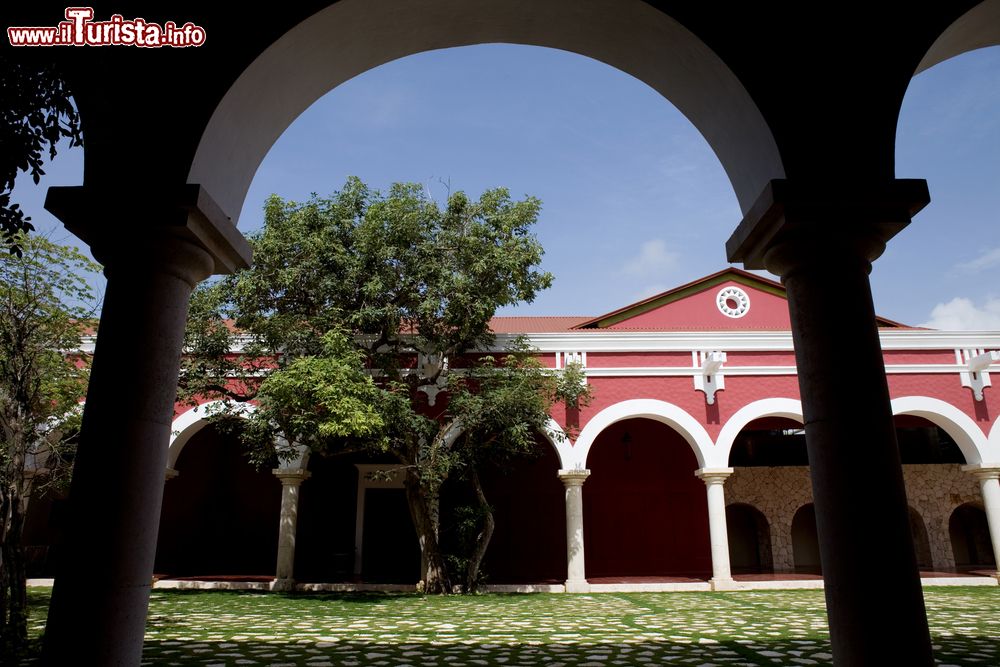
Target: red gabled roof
(518, 324)
(543, 324)
(683, 291)
(657, 300)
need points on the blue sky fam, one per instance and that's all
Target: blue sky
(634, 200)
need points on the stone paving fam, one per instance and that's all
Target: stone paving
(742, 628)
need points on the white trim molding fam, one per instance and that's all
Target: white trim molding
(975, 372)
(612, 340)
(708, 375)
(395, 480)
(565, 358)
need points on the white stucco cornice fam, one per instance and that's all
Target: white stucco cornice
(685, 341)
(739, 341)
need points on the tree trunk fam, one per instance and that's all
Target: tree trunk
(13, 586)
(423, 504)
(15, 633)
(484, 537)
(4, 598)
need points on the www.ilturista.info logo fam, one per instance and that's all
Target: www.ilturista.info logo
(79, 29)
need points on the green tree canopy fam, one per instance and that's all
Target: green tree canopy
(45, 308)
(359, 326)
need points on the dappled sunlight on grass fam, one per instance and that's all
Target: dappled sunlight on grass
(742, 628)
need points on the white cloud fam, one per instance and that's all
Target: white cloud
(653, 260)
(962, 314)
(984, 261)
(649, 290)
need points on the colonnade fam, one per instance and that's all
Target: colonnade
(292, 477)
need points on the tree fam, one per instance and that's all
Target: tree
(352, 322)
(45, 309)
(502, 406)
(37, 111)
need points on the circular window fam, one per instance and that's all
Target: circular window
(733, 302)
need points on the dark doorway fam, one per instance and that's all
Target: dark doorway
(921, 544)
(805, 542)
(390, 552)
(970, 538)
(749, 540)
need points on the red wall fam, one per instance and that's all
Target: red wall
(529, 542)
(699, 312)
(645, 513)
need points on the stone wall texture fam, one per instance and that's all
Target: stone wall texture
(933, 491)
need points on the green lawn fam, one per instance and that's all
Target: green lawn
(743, 628)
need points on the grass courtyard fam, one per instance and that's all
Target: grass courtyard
(743, 628)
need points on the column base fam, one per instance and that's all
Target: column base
(283, 585)
(577, 586)
(724, 584)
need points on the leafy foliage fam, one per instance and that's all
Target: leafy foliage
(37, 111)
(45, 308)
(346, 328)
(502, 404)
(572, 388)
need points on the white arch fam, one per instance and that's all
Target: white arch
(992, 452)
(647, 408)
(352, 36)
(960, 426)
(789, 408)
(552, 431)
(557, 437)
(192, 421)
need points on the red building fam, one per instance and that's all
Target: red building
(689, 469)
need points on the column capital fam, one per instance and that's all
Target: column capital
(714, 475)
(574, 476)
(170, 473)
(162, 220)
(983, 471)
(790, 218)
(291, 476)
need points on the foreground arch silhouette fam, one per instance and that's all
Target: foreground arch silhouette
(813, 169)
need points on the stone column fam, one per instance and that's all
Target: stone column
(821, 238)
(155, 248)
(576, 573)
(715, 479)
(291, 480)
(988, 475)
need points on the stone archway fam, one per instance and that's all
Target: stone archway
(970, 538)
(805, 543)
(749, 539)
(921, 543)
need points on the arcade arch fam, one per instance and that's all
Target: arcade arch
(842, 378)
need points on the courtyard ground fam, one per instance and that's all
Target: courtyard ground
(740, 628)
